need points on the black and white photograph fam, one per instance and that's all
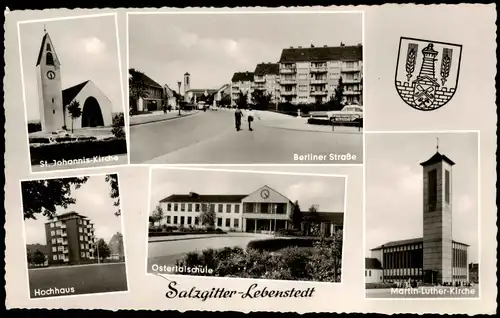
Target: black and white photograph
(250, 225)
(422, 215)
(73, 94)
(241, 88)
(74, 236)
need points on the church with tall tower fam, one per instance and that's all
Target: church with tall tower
(435, 258)
(53, 101)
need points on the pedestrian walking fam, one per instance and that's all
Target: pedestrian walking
(251, 117)
(237, 118)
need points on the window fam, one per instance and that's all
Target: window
(219, 208)
(175, 219)
(369, 273)
(196, 220)
(183, 207)
(49, 59)
(236, 208)
(182, 220)
(53, 241)
(79, 221)
(82, 254)
(447, 186)
(58, 232)
(212, 207)
(87, 254)
(54, 249)
(52, 100)
(176, 208)
(228, 208)
(81, 246)
(48, 47)
(190, 219)
(52, 233)
(190, 207)
(51, 224)
(169, 207)
(303, 88)
(432, 189)
(366, 272)
(61, 257)
(81, 238)
(236, 223)
(80, 230)
(169, 219)
(59, 240)
(54, 257)
(197, 207)
(60, 248)
(219, 221)
(228, 222)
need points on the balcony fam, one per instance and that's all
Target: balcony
(66, 260)
(288, 93)
(351, 69)
(318, 69)
(65, 251)
(351, 81)
(64, 234)
(318, 81)
(288, 82)
(260, 87)
(318, 93)
(288, 70)
(89, 226)
(63, 226)
(259, 80)
(352, 92)
(65, 242)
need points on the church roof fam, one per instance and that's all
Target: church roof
(70, 93)
(436, 159)
(206, 198)
(407, 242)
(40, 53)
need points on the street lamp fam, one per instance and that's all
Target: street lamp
(179, 102)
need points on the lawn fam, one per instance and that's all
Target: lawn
(85, 279)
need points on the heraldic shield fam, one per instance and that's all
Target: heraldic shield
(427, 72)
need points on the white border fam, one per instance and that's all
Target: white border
(122, 231)
(187, 11)
(430, 132)
(24, 87)
(169, 276)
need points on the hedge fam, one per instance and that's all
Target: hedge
(380, 285)
(77, 150)
(276, 244)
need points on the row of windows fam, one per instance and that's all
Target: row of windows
(189, 221)
(55, 257)
(349, 64)
(197, 207)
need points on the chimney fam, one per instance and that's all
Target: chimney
(193, 194)
(300, 47)
(291, 47)
(312, 45)
(325, 45)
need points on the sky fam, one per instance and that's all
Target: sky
(87, 49)
(92, 201)
(394, 186)
(212, 47)
(327, 192)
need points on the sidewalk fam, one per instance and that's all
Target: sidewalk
(158, 116)
(301, 124)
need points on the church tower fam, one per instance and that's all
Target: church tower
(50, 100)
(437, 218)
(187, 83)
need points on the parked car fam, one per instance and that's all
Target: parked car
(350, 113)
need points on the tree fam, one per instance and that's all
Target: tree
(137, 89)
(118, 124)
(225, 100)
(261, 99)
(338, 95)
(158, 214)
(103, 249)
(242, 101)
(296, 217)
(112, 179)
(74, 112)
(313, 219)
(44, 196)
(207, 216)
(38, 258)
(29, 256)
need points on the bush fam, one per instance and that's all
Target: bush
(317, 121)
(34, 127)
(380, 285)
(289, 232)
(77, 150)
(278, 244)
(118, 124)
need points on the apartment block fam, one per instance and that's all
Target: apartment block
(309, 75)
(241, 82)
(267, 80)
(263, 211)
(70, 239)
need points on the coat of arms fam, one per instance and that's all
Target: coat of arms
(427, 72)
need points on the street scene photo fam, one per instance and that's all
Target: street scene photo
(73, 233)
(249, 225)
(422, 210)
(73, 96)
(242, 88)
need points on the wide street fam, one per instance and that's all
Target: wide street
(175, 247)
(84, 279)
(210, 137)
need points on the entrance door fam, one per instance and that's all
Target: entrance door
(91, 113)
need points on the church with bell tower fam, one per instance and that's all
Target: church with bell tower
(53, 101)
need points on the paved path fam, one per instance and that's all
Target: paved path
(168, 252)
(158, 116)
(210, 138)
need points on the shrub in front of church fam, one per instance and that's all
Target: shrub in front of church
(118, 124)
(77, 150)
